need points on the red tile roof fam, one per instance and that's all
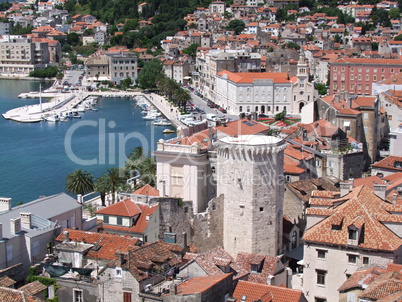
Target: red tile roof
(200, 284)
(125, 208)
(360, 202)
(108, 243)
(249, 77)
(389, 162)
(15, 295)
(266, 293)
(147, 190)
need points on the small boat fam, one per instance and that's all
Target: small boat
(52, 118)
(167, 131)
(162, 122)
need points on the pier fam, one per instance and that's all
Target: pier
(66, 101)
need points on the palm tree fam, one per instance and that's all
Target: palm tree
(148, 171)
(79, 182)
(113, 180)
(135, 158)
(102, 187)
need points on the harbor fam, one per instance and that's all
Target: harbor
(153, 105)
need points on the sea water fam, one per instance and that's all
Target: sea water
(36, 158)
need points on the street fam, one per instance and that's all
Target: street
(202, 104)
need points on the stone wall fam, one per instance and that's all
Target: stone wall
(204, 230)
(207, 227)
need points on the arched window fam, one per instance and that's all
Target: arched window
(240, 108)
(277, 108)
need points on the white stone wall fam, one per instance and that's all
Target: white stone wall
(337, 267)
(239, 97)
(252, 183)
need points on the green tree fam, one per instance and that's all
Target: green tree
(394, 13)
(88, 32)
(112, 180)
(126, 82)
(73, 39)
(148, 171)
(191, 50)
(398, 38)
(280, 116)
(79, 182)
(148, 76)
(236, 25)
(322, 90)
(102, 187)
(134, 161)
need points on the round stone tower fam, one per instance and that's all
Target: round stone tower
(250, 175)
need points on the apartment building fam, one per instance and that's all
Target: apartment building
(358, 229)
(357, 75)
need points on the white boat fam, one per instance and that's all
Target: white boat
(81, 108)
(52, 118)
(167, 131)
(152, 114)
(162, 122)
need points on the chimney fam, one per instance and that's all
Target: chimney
(346, 187)
(184, 239)
(1, 231)
(350, 102)
(336, 99)
(15, 226)
(26, 220)
(80, 199)
(379, 190)
(66, 236)
(5, 204)
(120, 257)
(394, 197)
(342, 95)
(173, 289)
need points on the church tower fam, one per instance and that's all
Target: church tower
(250, 175)
(302, 67)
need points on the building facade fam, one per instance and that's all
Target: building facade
(357, 75)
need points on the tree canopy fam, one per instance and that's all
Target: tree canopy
(147, 78)
(79, 182)
(236, 25)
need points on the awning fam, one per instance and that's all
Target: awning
(296, 253)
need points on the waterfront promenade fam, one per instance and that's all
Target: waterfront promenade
(66, 101)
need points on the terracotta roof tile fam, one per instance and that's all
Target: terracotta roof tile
(266, 293)
(147, 190)
(249, 77)
(200, 284)
(391, 162)
(6, 281)
(105, 244)
(125, 208)
(33, 288)
(360, 202)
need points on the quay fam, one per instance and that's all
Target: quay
(66, 101)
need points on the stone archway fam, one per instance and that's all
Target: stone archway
(301, 105)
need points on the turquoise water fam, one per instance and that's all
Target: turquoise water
(36, 158)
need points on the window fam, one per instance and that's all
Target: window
(335, 68)
(78, 296)
(320, 300)
(118, 272)
(352, 77)
(321, 277)
(352, 234)
(359, 77)
(321, 254)
(352, 259)
(366, 260)
(367, 77)
(375, 78)
(261, 209)
(105, 218)
(352, 86)
(119, 220)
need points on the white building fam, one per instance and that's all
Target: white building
(253, 92)
(358, 229)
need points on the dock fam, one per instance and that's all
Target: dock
(66, 101)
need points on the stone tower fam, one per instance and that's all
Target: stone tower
(250, 175)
